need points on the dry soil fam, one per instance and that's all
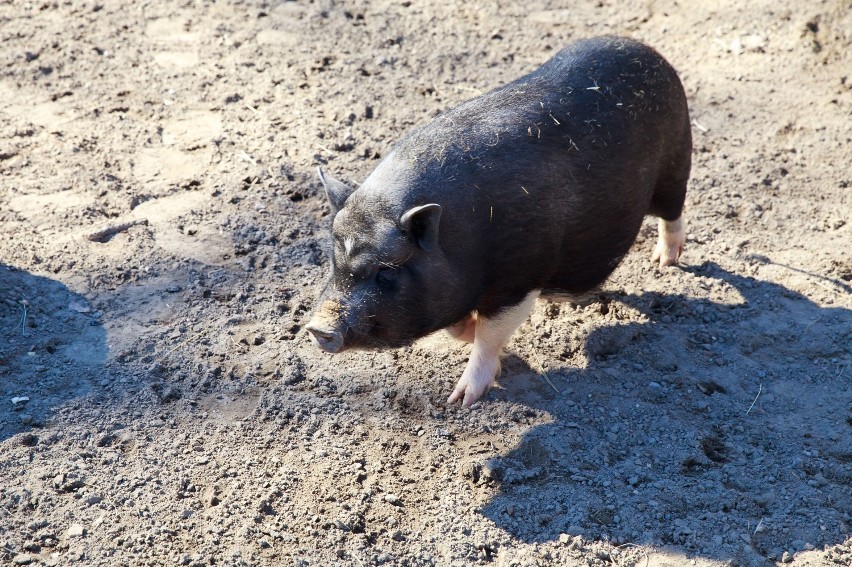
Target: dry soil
(162, 405)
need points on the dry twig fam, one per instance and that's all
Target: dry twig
(544, 373)
(759, 389)
(110, 231)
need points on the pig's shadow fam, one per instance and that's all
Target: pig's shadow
(657, 441)
(50, 341)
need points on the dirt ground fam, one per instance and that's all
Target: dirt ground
(161, 403)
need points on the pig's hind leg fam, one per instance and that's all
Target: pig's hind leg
(491, 335)
(670, 240)
(667, 203)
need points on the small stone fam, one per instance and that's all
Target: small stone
(654, 385)
(786, 557)
(29, 440)
(92, 499)
(565, 539)
(26, 418)
(76, 530)
(393, 499)
(24, 559)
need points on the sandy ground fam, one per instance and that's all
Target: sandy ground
(161, 403)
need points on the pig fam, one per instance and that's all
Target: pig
(535, 189)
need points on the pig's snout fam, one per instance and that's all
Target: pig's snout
(329, 340)
(326, 326)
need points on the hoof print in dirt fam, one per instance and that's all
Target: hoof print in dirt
(714, 449)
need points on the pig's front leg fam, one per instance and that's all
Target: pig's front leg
(670, 240)
(484, 363)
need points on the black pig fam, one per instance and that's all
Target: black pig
(537, 188)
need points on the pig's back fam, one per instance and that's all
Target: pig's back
(545, 181)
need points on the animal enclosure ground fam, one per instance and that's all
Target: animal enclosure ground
(161, 403)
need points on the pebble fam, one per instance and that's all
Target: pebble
(76, 530)
(24, 559)
(786, 557)
(93, 499)
(29, 440)
(26, 418)
(393, 499)
(654, 385)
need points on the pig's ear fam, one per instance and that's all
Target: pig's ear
(422, 224)
(336, 191)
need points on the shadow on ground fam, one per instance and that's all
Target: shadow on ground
(41, 320)
(714, 428)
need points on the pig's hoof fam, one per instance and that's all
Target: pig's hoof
(464, 330)
(669, 243)
(477, 379)
(666, 255)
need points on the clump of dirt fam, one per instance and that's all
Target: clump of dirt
(162, 403)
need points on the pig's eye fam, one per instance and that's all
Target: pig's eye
(387, 275)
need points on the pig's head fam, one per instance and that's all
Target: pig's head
(386, 264)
